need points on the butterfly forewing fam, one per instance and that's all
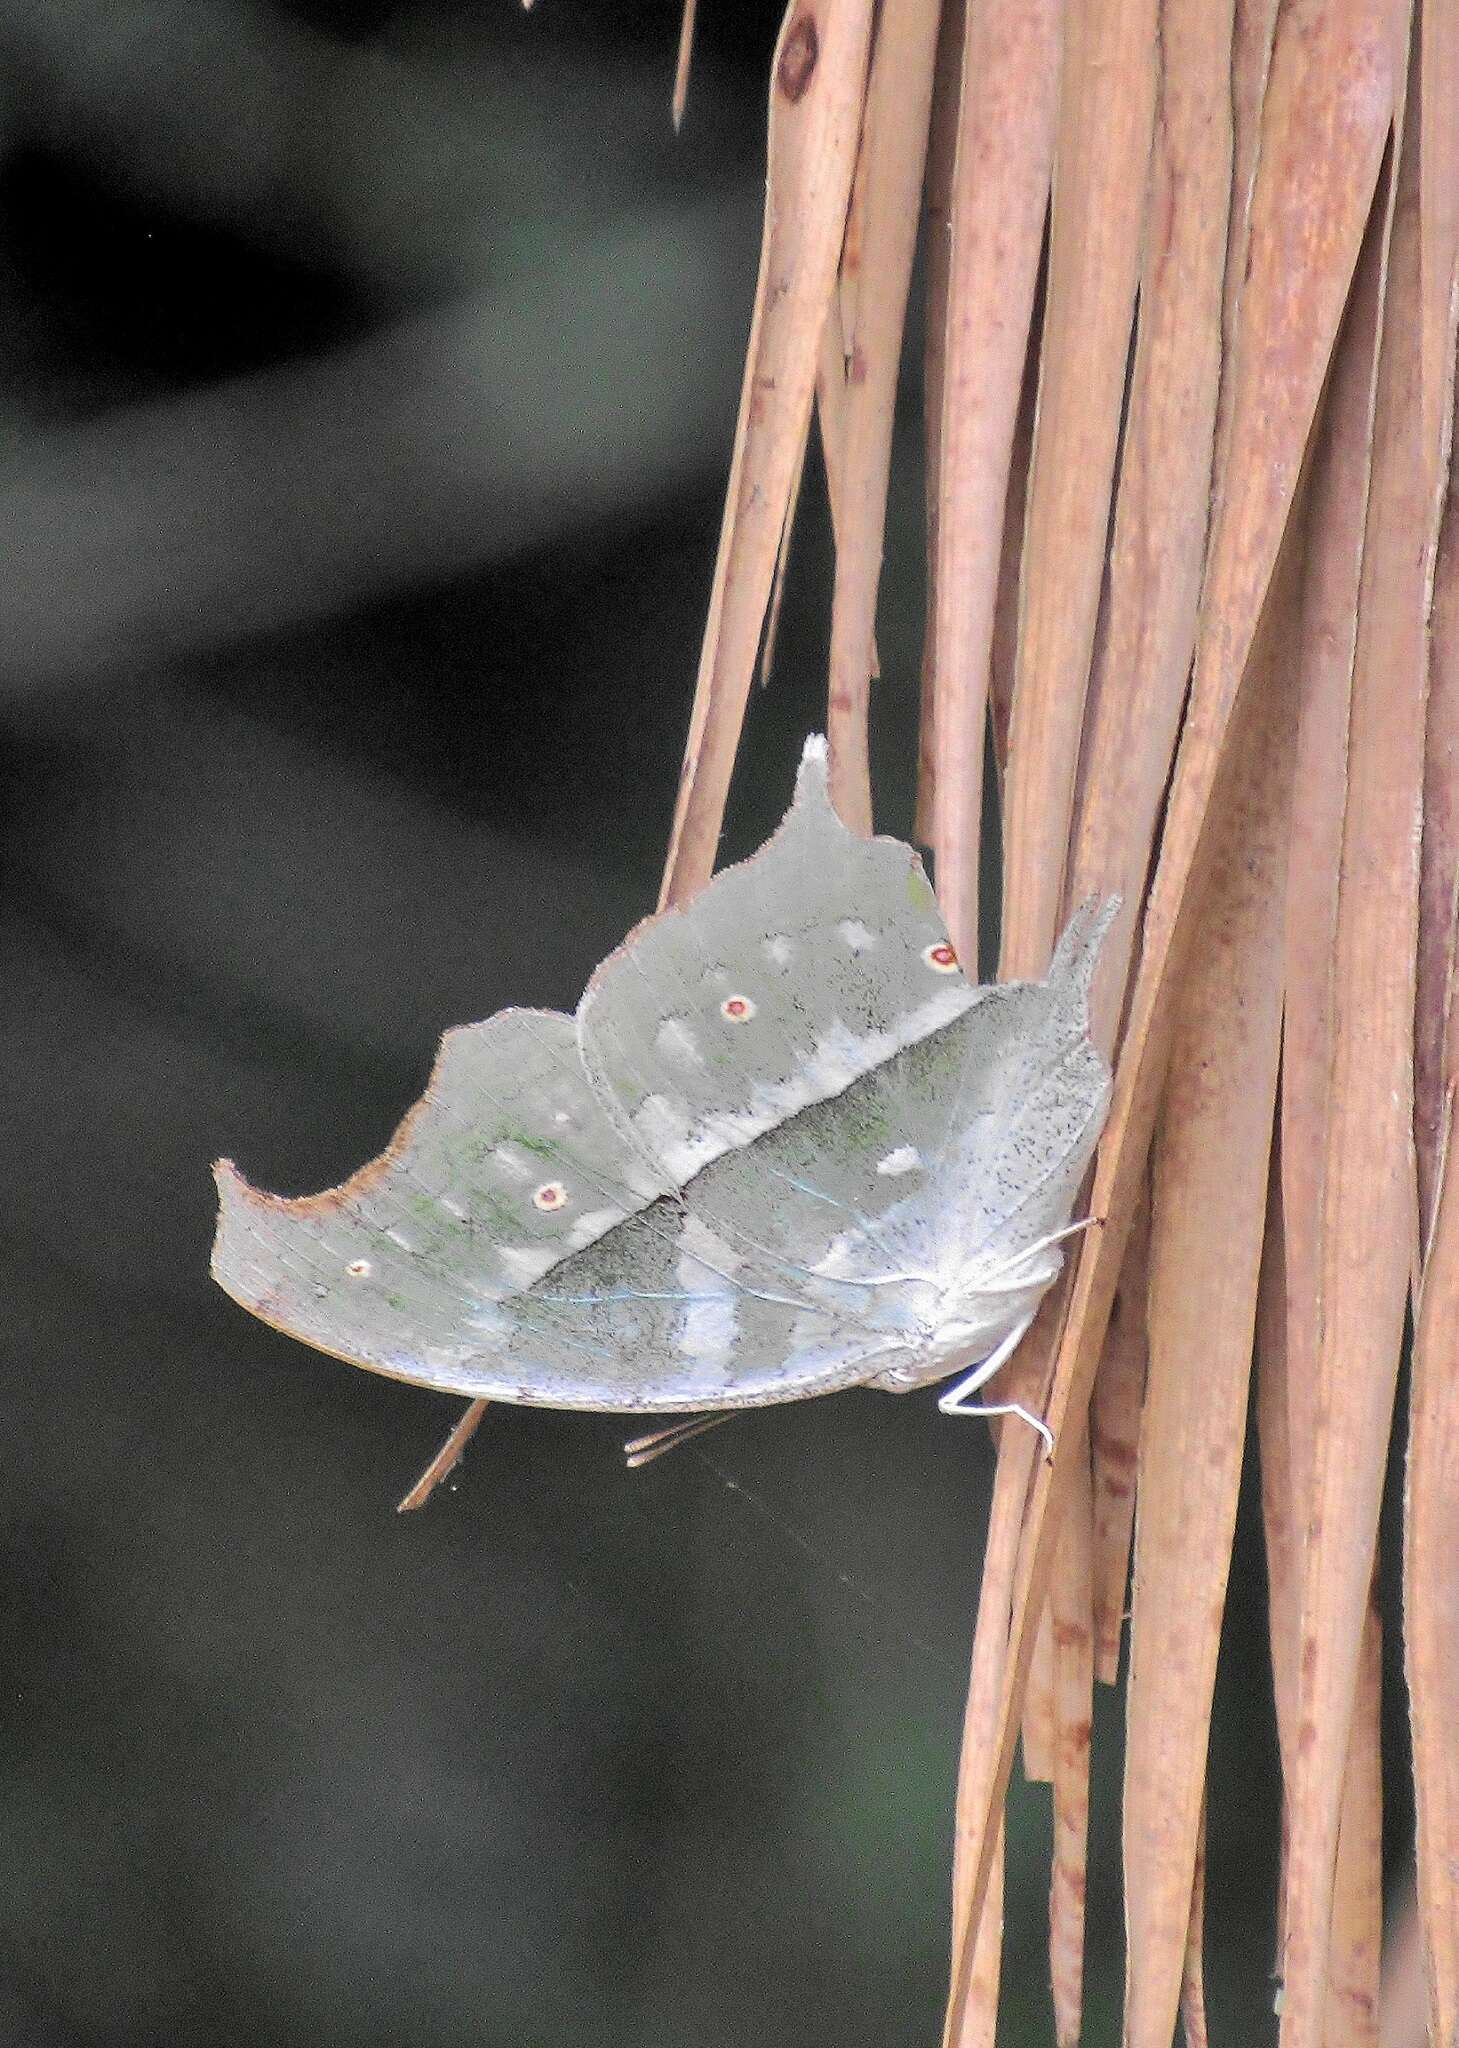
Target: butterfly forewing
(514, 1250)
(782, 982)
(507, 1166)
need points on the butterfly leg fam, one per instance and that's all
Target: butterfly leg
(447, 1458)
(1009, 1408)
(642, 1450)
(955, 1400)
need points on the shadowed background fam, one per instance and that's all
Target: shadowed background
(368, 379)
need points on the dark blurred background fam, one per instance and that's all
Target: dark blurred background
(368, 377)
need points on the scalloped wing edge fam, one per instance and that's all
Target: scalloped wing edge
(239, 1198)
(811, 792)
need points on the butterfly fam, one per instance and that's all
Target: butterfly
(784, 1147)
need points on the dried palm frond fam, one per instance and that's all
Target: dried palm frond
(1193, 546)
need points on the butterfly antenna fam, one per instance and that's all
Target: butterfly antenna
(644, 1449)
(447, 1458)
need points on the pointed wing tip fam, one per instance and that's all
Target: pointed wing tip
(240, 1206)
(231, 1189)
(234, 1194)
(813, 766)
(1077, 954)
(1084, 934)
(250, 1273)
(237, 1193)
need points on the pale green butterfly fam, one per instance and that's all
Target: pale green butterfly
(784, 1147)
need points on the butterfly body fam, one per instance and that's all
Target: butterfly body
(784, 1147)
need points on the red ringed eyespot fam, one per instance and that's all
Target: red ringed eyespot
(737, 1009)
(941, 958)
(551, 1195)
(358, 1269)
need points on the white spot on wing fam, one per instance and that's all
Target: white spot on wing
(859, 937)
(708, 1326)
(512, 1161)
(684, 1142)
(677, 1042)
(906, 1159)
(779, 949)
(525, 1263)
(706, 1251)
(591, 1226)
(934, 1013)
(667, 1133)
(841, 1056)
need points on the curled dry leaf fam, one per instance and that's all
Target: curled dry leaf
(1210, 1160)
(1291, 309)
(1439, 315)
(1357, 1891)
(999, 198)
(1097, 226)
(1369, 1196)
(1338, 498)
(1439, 873)
(1431, 1606)
(1071, 1628)
(1114, 1426)
(817, 83)
(1193, 1978)
(893, 155)
(937, 262)
(1144, 657)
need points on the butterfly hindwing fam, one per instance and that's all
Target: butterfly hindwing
(957, 1152)
(1022, 1122)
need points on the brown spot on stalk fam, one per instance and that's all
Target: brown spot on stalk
(798, 59)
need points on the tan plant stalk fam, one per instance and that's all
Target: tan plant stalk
(1192, 280)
